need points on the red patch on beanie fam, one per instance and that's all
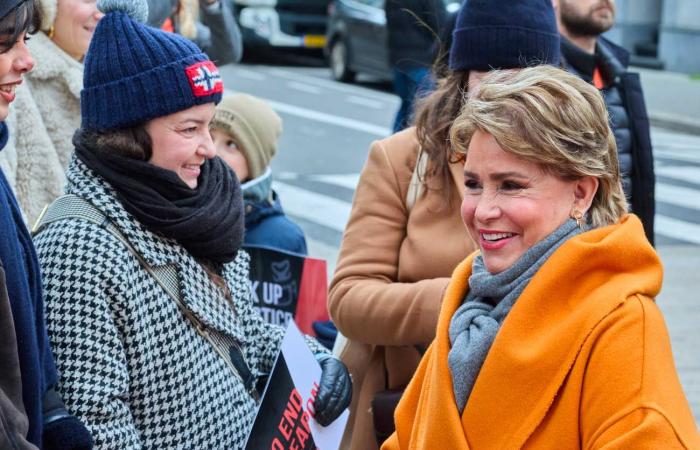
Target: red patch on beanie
(204, 79)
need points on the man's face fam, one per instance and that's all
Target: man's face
(587, 17)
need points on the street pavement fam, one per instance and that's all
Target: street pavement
(329, 126)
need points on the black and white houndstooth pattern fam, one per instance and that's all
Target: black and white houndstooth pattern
(131, 366)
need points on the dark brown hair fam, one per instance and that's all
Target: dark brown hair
(133, 142)
(434, 116)
(24, 17)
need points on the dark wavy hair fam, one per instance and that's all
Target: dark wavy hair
(25, 17)
(434, 116)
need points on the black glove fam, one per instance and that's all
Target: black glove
(61, 430)
(334, 391)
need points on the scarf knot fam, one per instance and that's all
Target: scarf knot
(208, 221)
(475, 324)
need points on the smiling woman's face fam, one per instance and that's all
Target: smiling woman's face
(15, 61)
(74, 25)
(181, 141)
(510, 204)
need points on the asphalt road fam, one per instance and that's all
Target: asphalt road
(328, 127)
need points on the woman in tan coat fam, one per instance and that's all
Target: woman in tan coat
(395, 259)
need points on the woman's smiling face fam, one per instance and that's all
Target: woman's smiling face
(181, 141)
(74, 25)
(15, 61)
(510, 204)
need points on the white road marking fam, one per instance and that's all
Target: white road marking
(677, 229)
(249, 74)
(331, 119)
(348, 180)
(303, 87)
(364, 101)
(679, 196)
(682, 155)
(330, 84)
(683, 173)
(318, 208)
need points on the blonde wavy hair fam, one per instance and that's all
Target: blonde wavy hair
(551, 118)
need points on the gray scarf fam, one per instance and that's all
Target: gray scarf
(476, 322)
(258, 189)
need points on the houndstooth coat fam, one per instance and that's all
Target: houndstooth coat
(131, 366)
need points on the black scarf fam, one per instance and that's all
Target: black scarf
(207, 221)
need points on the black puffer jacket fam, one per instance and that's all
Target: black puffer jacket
(413, 26)
(629, 121)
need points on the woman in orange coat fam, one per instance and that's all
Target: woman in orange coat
(549, 337)
(395, 262)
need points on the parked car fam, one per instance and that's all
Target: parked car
(356, 38)
(282, 23)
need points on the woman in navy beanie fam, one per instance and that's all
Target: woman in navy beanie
(147, 292)
(409, 192)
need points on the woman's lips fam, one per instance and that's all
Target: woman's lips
(494, 240)
(7, 91)
(192, 170)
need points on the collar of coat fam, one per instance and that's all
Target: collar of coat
(536, 346)
(165, 254)
(52, 63)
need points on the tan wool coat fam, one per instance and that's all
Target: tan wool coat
(42, 121)
(393, 268)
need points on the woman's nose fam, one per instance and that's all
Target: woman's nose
(207, 147)
(487, 208)
(23, 61)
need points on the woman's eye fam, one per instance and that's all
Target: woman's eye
(231, 145)
(472, 185)
(512, 186)
(189, 130)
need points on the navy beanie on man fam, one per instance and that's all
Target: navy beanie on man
(134, 73)
(504, 34)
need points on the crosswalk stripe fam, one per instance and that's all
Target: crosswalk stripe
(677, 195)
(677, 229)
(310, 114)
(321, 209)
(682, 173)
(682, 155)
(346, 180)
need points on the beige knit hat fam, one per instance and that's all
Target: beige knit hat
(48, 13)
(253, 125)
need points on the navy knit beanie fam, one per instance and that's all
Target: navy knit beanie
(134, 73)
(504, 34)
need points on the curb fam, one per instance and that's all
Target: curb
(674, 122)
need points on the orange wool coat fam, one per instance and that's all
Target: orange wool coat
(582, 361)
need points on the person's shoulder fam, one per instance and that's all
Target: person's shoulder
(400, 149)
(76, 238)
(620, 52)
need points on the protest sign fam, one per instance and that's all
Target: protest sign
(287, 286)
(285, 416)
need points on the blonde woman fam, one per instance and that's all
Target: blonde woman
(395, 259)
(548, 337)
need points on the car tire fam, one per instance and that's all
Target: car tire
(338, 59)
